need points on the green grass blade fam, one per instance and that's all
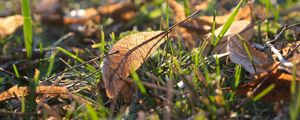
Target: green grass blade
(213, 36)
(264, 92)
(237, 75)
(102, 42)
(27, 27)
(228, 23)
(139, 84)
(92, 112)
(248, 52)
(89, 67)
(271, 8)
(30, 100)
(294, 107)
(51, 64)
(218, 70)
(16, 71)
(167, 13)
(23, 105)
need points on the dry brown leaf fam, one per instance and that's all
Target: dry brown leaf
(47, 91)
(119, 11)
(9, 25)
(281, 91)
(127, 55)
(90, 14)
(86, 24)
(245, 13)
(202, 5)
(293, 62)
(248, 12)
(238, 55)
(189, 36)
(190, 32)
(241, 27)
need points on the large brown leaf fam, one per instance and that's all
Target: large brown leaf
(238, 54)
(127, 55)
(9, 25)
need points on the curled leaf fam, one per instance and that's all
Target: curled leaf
(252, 60)
(127, 55)
(9, 25)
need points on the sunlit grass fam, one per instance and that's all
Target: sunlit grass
(27, 27)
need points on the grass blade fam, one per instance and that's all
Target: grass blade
(264, 92)
(89, 67)
(228, 23)
(92, 112)
(139, 84)
(51, 64)
(27, 27)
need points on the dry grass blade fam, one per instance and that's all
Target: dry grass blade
(47, 91)
(239, 55)
(132, 51)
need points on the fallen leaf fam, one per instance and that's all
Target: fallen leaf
(87, 23)
(248, 12)
(9, 25)
(189, 36)
(281, 91)
(241, 27)
(122, 11)
(202, 5)
(46, 91)
(127, 55)
(238, 54)
(82, 16)
(291, 63)
(245, 13)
